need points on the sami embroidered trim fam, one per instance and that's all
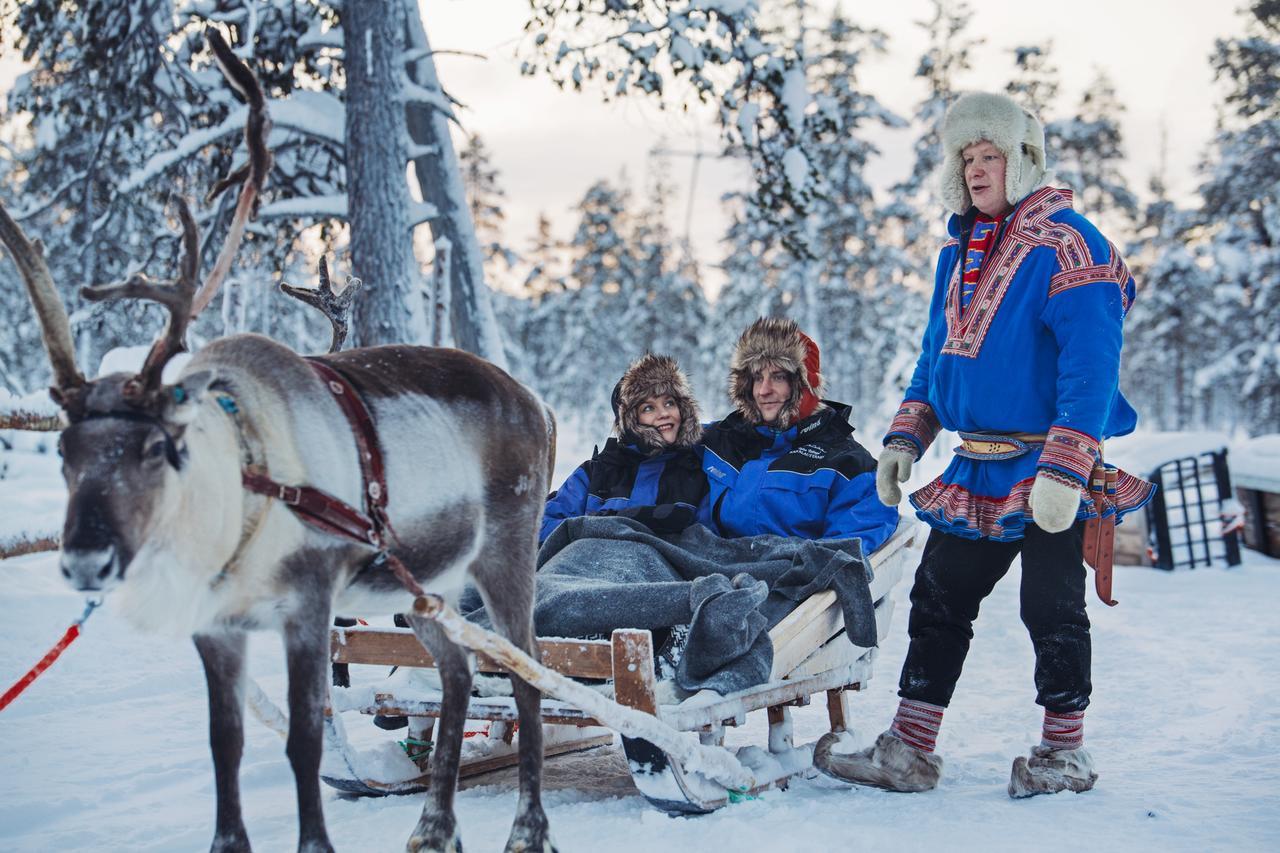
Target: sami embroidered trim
(993, 518)
(1115, 272)
(1028, 229)
(915, 418)
(954, 507)
(1069, 451)
(1058, 477)
(906, 445)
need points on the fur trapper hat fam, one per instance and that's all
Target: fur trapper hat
(776, 341)
(654, 376)
(999, 120)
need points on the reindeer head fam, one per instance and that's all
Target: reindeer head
(124, 450)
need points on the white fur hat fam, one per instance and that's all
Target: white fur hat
(997, 119)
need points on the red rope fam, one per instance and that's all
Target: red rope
(45, 662)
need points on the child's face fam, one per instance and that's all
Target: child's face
(663, 414)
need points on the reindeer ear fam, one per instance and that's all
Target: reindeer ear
(182, 399)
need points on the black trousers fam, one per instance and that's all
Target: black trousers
(956, 574)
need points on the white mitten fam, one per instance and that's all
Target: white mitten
(1054, 503)
(893, 467)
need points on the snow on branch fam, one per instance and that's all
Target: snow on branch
(316, 114)
(310, 207)
(415, 94)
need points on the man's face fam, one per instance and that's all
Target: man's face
(984, 167)
(663, 414)
(771, 388)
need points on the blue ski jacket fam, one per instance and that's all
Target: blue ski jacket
(621, 477)
(812, 480)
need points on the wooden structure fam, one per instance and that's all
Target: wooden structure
(811, 656)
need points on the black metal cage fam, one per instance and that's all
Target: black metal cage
(1186, 518)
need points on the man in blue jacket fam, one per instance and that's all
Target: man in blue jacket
(1021, 357)
(785, 462)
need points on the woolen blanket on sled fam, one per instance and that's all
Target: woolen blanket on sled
(598, 573)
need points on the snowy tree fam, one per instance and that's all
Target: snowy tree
(1165, 340)
(128, 108)
(835, 292)
(668, 296)
(1035, 82)
(378, 198)
(1242, 212)
(587, 333)
(916, 209)
(720, 53)
(485, 197)
(1087, 150)
(915, 218)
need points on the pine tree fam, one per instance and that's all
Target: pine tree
(596, 333)
(485, 197)
(1165, 346)
(1087, 151)
(1035, 83)
(1242, 213)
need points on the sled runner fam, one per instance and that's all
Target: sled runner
(811, 656)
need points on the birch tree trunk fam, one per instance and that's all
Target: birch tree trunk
(390, 309)
(474, 326)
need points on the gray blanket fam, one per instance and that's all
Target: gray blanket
(599, 573)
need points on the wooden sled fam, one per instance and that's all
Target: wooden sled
(811, 656)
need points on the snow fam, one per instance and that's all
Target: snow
(724, 7)
(107, 749)
(35, 403)
(796, 167)
(795, 96)
(1255, 463)
(1143, 452)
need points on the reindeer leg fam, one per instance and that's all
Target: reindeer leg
(437, 829)
(223, 658)
(306, 644)
(510, 608)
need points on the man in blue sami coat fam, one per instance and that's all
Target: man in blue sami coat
(1021, 357)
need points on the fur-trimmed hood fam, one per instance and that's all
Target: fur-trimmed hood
(776, 341)
(999, 120)
(654, 376)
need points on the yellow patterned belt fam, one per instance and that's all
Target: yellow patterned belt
(1000, 445)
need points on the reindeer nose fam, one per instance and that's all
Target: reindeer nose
(88, 569)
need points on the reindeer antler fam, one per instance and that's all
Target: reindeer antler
(173, 295)
(55, 328)
(334, 305)
(181, 297)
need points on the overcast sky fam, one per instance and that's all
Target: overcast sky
(550, 145)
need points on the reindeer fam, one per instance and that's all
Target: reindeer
(190, 503)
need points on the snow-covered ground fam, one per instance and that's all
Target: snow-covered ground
(108, 751)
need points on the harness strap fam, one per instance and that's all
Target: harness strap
(316, 507)
(362, 429)
(326, 512)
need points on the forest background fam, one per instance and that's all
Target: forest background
(699, 163)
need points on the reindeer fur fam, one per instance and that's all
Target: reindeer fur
(468, 454)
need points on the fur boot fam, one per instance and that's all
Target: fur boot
(889, 764)
(1048, 771)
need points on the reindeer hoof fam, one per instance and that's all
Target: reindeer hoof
(434, 835)
(531, 834)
